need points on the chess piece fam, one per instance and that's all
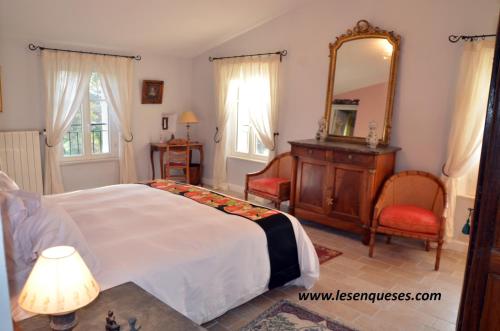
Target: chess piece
(111, 324)
(131, 324)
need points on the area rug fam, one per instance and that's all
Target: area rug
(325, 254)
(287, 316)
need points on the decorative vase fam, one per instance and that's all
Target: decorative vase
(321, 133)
(372, 137)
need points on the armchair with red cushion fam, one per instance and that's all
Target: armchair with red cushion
(273, 182)
(411, 205)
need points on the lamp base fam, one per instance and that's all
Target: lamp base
(64, 322)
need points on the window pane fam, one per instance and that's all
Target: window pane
(243, 131)
(260, 149)
(242, 139)
(99, 119)
(99, 127)
(95, 88)
(73, 138)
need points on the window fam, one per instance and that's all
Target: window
(245, 142)
(90, 135)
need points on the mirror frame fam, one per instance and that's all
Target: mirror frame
(363, 30)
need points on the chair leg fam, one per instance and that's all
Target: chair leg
(277, 205)
(246, 195)
(438, 254)
(372, 242)
(427, 245)
(388, 240)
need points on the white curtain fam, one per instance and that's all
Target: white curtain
(465, 139)
(259, 92)
(117, 77)
(67, 78)
(224, 72)
(256, 78)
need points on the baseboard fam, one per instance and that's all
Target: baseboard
(231, 187)
(208, 181)
(236, 189)
(456, 245)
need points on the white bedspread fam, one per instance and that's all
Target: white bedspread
(197, 259)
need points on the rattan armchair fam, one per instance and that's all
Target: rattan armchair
(411, 204)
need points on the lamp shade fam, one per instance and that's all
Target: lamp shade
(59, 283)
(188, 117)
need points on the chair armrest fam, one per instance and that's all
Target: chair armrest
(263, 171)
(258, 174)
(284, 188)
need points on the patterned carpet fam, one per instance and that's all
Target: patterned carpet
(287, 316)
(325, 254)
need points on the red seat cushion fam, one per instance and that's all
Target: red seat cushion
(267, 185)
(410, 218)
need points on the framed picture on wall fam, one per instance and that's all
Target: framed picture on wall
(152, 92)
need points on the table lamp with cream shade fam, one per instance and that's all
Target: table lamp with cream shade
(188, 118)
(59, 284)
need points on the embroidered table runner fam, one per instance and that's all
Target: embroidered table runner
(281, 243)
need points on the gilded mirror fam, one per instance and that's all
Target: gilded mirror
(361, 83)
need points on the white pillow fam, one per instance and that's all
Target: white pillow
(14, 213)
(6, 183)
(47, 226)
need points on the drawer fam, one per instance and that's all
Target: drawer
(362, 160)
(318, 154)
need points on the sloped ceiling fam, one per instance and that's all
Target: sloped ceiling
(184, 28)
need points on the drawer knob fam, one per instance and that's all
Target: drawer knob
(349, 156)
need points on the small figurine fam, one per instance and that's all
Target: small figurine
(372, 138)
(131, 324)
(111, 324)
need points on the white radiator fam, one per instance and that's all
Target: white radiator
(20, 159)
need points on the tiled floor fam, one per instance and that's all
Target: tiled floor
(402, 266)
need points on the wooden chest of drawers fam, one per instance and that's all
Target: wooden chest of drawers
(337, 184)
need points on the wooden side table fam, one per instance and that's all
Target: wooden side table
(162, 148)
(126, 301)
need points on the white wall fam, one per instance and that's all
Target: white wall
(23, 102)
(425, 83)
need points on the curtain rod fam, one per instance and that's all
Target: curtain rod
(454, 39)
(280, 53)
(33, 47)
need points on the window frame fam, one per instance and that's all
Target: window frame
(87, 155)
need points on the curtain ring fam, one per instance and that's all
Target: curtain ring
(215, 135)
(129, 140)
(444, 172)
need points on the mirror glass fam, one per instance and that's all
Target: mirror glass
(360, 86)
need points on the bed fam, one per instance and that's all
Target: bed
(197, 259)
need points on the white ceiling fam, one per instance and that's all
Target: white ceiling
(183, 28)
